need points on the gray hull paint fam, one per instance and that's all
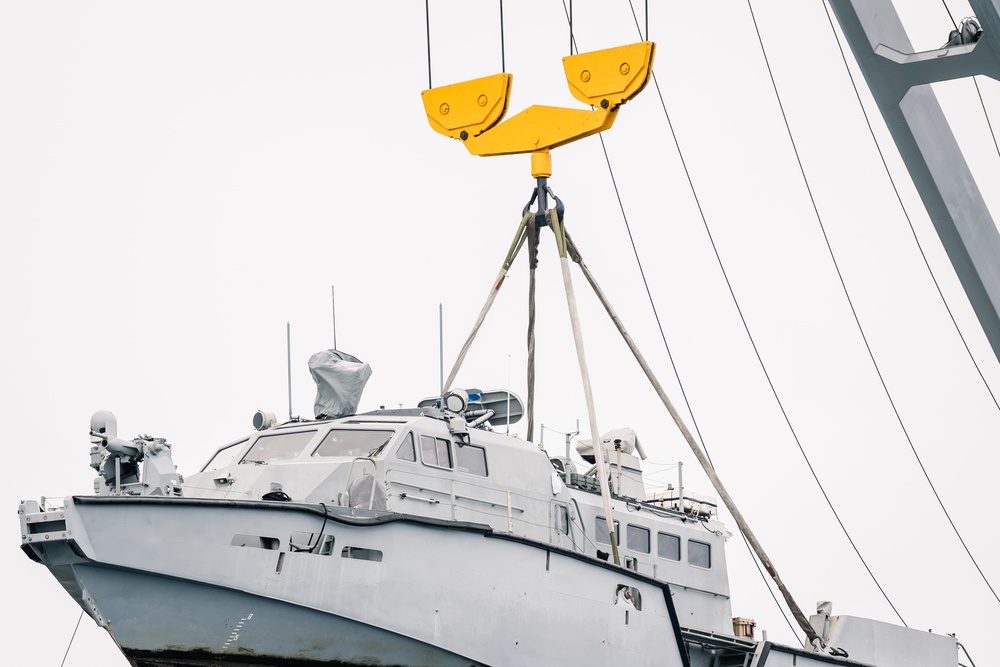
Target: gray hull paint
(211, 625)
(440, 595)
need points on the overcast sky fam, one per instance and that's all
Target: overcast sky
(180, 180)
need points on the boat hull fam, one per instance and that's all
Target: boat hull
(195, 582)
(213, 625)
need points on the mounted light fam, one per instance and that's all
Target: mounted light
(263, 420)
(457, 400)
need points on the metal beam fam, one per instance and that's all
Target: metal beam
(898, 79)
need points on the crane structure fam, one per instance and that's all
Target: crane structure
(899, 81)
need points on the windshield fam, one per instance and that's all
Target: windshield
(278, 446)
(353, 442)
(224, 455)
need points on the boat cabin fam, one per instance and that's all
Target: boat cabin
(413, 461)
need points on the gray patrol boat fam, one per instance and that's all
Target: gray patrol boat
(421, 537)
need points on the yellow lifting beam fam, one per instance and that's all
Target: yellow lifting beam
(471, 111)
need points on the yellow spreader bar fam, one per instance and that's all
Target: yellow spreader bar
(472, 111)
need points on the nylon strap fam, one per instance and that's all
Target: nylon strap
(699, 454)
(515, 247)
(532, 234)
(595, 433)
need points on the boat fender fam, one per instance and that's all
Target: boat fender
(557, 484)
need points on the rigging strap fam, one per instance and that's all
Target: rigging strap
(540, 218)
(574, 318)
(515, 247)
(699, 454)
(528, 231)
(532, 233)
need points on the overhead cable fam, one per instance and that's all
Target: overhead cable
(652, 303)
(940, 293)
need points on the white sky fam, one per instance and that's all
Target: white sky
(179, 180)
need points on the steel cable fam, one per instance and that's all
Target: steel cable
(940, 293)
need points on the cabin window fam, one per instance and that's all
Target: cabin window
(668, 546)
(407, 451)
(637, 538)
(225, 455)
(471, 459)
(353, 442)
(562, 519)
(699, 553)
(278, 446)
(602, 533)
(435, 451)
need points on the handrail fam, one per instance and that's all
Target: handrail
(420, 487)
(966, 652)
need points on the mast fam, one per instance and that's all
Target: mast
(288, 350)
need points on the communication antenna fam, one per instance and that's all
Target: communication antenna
(569, 438)
(508, 395)
(333, 304)
(288, 339)
(441, 347)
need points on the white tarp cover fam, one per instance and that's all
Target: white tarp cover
(585, 448)
(340, 380)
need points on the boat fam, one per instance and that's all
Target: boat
(364, 538)
(412, 536)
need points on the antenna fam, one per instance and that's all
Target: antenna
(288, 339)
(333, 303)
(569, 438)
(441, 347)
(508, 395)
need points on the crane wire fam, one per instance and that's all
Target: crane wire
(636, 19)
(948, 9)
(975, 82)
(670, 356)
(850, 302)
(649, 295)
(757, 353)
(652, 303)
(73, 637)
(569, 20)
(503, 55)
(427, 21)
(989, 123)
(763, 368)
(936, 285)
